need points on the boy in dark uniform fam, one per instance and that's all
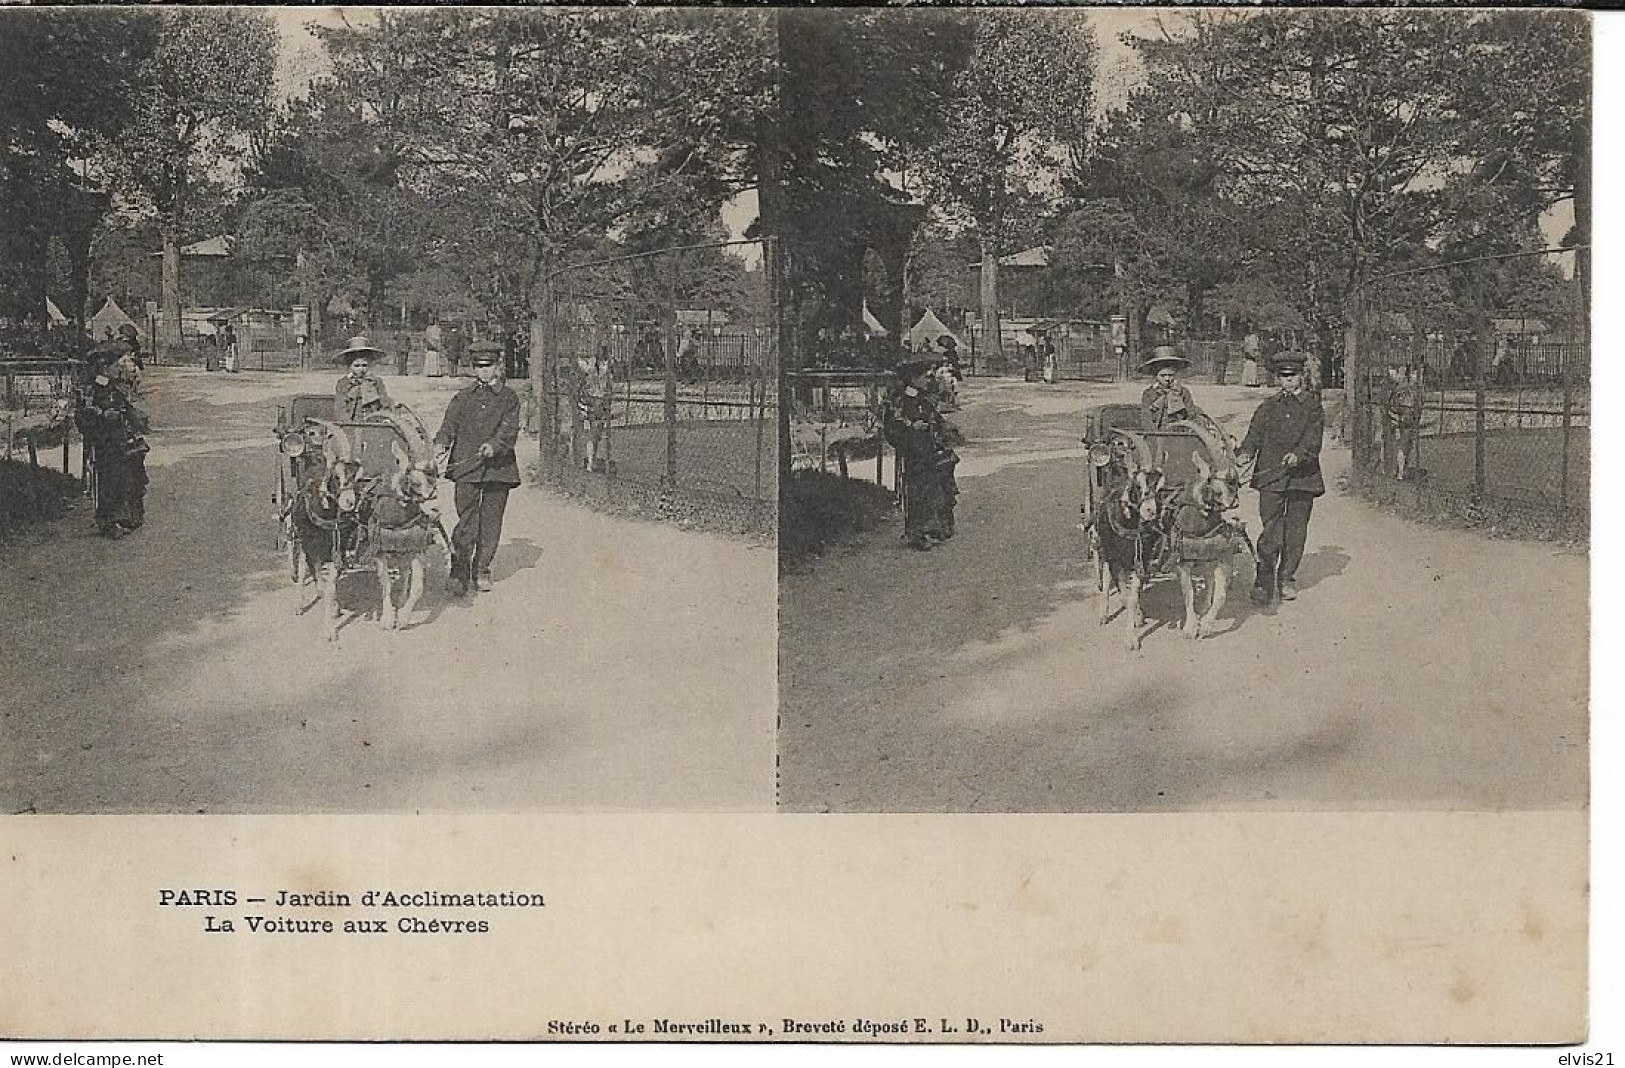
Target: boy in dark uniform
(1284, 438)
(476, 442)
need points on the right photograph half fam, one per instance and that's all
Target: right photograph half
(1182, 410)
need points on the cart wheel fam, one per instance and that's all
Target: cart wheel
(1089, 508)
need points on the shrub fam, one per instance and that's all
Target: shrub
(30, 495)
(819, 509)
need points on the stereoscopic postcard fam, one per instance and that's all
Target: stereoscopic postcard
(782, 525)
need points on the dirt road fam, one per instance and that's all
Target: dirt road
(618, 665)
(1420, 667)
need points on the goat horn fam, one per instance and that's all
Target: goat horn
(342, 448)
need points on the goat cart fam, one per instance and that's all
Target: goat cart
(1157, 503)
(355, 496)
(1118, 446)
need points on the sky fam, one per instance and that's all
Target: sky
(301, 56)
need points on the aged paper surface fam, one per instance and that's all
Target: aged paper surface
(676, 899)
(1192, 928)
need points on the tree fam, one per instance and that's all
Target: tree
(205, 86)
(1330, 146)
(67, 81)
(329, 198)
(861, 93)
(1025, 94)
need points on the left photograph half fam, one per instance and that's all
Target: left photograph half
(390, 412)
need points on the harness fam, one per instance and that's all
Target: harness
(342, 526)
(1138, 533)
(411, 536)
(1217, 540)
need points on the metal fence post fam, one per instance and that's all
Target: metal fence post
(671, 411)
(1356, 386)
(760, 407)
(1480, 423)
(1568, 420)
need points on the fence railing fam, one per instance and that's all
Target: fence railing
(1484, 424)
(1088, 356)
(835, 422)
(645, 403)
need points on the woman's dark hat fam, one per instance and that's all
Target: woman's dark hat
(105, 353)
(909, 370)
(359, 346)
(1164, 356)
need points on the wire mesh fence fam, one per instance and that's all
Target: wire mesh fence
(1472, 396)
(36, 406)
(659, 387)
(835, 423)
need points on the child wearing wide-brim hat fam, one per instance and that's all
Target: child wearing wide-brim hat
(1166, 401)
(360, 392)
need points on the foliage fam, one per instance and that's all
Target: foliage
(30, 495)
(1026, 90)
(67, 80)
(1025, 93)
(504, 144)
(205, 85)
(1278, 160)
(197, 96)
(938, 275)
(819, 511)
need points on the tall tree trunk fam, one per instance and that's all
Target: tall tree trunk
(301, 268)
(81, 217)
(172, 283)
(1581, 147)
(777, 260)
(992, 341)
(375, 302)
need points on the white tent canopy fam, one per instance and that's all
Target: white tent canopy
(111, 316)
(54, 313)
(871, 324)
(925, 333)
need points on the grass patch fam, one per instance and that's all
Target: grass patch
(30, 495)
(819, 509)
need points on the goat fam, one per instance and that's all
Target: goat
(327, 523)
(403, 516)
(1126, 538)
(1203, 540)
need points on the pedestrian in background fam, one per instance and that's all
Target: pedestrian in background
(114, 428)
(914, 426)
(432, 343)
(132, 337)
(230, 341)
(1221, 362)
(595, 400)
(1249, 360)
